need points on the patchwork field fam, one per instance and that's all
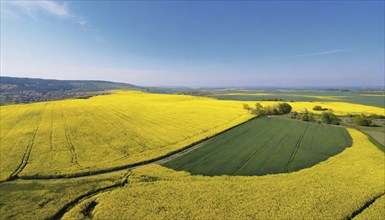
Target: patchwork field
(264, 146)
(84, 135)
(81, 136)
(333, 189)
(377, 100)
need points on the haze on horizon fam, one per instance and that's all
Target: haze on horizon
(191, 43)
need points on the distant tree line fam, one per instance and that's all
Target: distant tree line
(273, 100)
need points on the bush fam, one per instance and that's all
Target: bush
(284, 108)
(319, 108)
(305, 117)
(362, 120)
(311, 117)
(329, 118)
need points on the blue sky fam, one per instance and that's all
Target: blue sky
(196, 43)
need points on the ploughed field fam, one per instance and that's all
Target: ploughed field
(265, 146)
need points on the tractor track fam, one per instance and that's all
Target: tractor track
(71, 204)
(292, 157)
(71, 147)
(27, 153)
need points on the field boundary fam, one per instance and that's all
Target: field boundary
(376, 143)
(365, 206)
(127, 166)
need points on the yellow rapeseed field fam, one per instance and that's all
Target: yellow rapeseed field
(81, 135)
(333, 189)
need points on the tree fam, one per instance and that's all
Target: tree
(284, 108)
(259, 110)
(246, 107)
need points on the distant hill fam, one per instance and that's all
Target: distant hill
(26, 90)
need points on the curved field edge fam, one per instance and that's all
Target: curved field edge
(333, 189)
(268, 145)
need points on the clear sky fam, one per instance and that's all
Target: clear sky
(196, 43)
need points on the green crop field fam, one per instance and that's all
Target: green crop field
(265, 146)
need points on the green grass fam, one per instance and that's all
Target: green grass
(265, 146)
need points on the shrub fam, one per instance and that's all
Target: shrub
(305, 117)
(311, 117)
(293, 115)
(362, 120)
(319, 108)
(329, 118)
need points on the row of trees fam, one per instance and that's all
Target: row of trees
(278, 109)
(327, 117)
